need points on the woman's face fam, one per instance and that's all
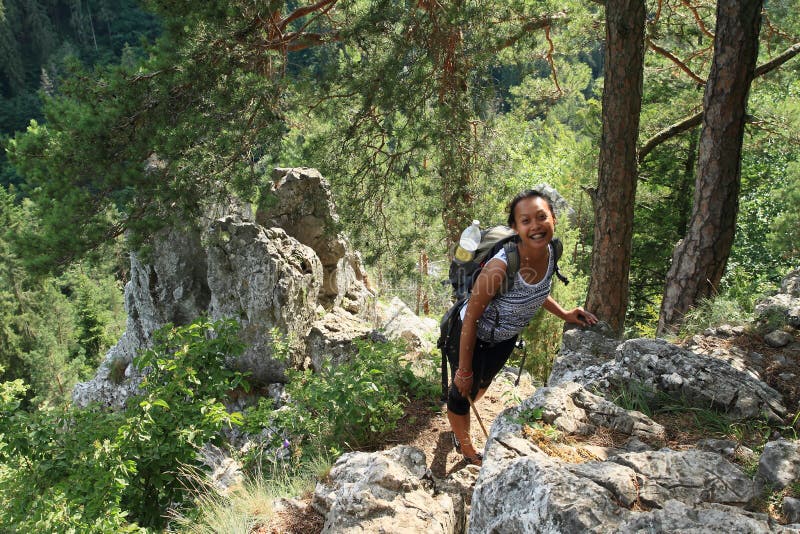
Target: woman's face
(534, 222)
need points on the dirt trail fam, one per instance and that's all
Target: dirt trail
(425, 425)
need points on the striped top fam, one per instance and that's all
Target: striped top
(507, 315)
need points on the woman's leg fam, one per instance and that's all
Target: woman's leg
(460, 426)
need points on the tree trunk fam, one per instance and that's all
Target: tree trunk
(699, 259)
(616, 187)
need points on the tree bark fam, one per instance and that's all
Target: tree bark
(616, 187)
(698, 261)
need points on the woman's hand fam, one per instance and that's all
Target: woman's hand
(463, 382)
(580, 316)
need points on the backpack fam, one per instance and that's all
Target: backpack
(462, 276)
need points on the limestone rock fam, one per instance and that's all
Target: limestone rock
(331, 338)
(583, 351)
(689, 476)
(791, 509)
(705, 518)
(522, 489)
(654, 365)
(171, 288)
(224, 472)
(389, 491)
(778, 338)
(538, 481)
(268, 281)
(234, 267)
(300, 202)
(779, 465)
(786, 304)
(399, 322)
(574, 410)
(560, 204)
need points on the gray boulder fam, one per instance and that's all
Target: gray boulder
(784, 305)
(331, 339)
(653, 365)
(791, 509)
(778, 338)
(779, 465)
(389, 491)
(582, 351)
(399, 322)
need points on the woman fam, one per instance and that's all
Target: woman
(489, 322)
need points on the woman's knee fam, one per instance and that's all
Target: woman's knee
(456, 403)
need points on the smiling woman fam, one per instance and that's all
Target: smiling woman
(486, 329)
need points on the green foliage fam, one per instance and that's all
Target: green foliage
(61, 470)
(95, 471)
(54, 330)
(714, 312)
(347, 405)
(181, 409)
(784, 235)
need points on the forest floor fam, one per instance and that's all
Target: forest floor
(425, 425)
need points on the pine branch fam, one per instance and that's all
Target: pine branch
(535, 24)
(697, 18)
(666, 53)
(303, 11)
(550, 59)
(694, 120)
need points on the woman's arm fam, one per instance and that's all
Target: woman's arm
(486, 287)
(576, 315)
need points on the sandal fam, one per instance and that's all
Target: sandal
(477, 459)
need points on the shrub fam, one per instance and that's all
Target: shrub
(181, 409)
(349, 405)
(65, 469)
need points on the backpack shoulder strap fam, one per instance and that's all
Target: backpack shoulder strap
(558, 250)
(512, 267)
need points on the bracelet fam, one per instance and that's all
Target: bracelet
(464, 374)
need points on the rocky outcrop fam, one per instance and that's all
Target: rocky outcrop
(389, 491)
(299, 201)
(269, 282)
(522, 488)
(270, 278)
(399, 322)
(560, 204)
(568, 460)
(171, 287)
(653, 365)
(536, 478)
(779, 465)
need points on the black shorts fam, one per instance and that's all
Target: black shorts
(487, 360)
